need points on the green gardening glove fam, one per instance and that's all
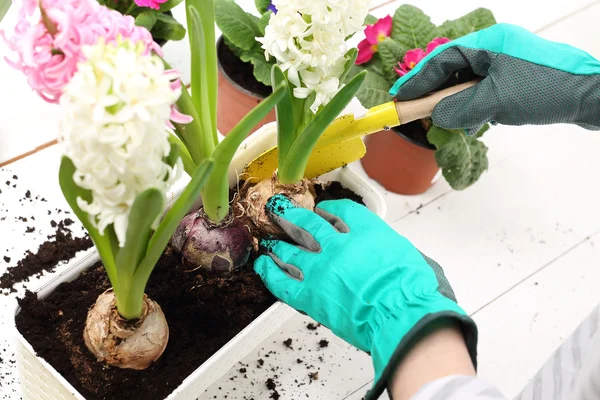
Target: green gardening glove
(526, 80)
(354, 274)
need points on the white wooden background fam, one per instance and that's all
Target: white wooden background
(519, 247)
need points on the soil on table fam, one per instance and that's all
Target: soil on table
(240, 72)
(203, 310)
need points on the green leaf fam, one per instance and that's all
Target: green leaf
(166, 27)
(295, 163)
(146, 208)
(411, 28)
(188, 164)
(204, 91)
(102, 242)
(262, 5)
(371, 19)
(286, 129)
(239, 27)
(4, 6)
(264, 21)
(146, 19)
(262, 68)
(161, 237)
(472, 22)
(391, 53)
(169, 4)
(374, 90)
(462, 158)
(215, 194)
(350, 56)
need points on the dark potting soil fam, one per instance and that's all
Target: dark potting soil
(62, 246)
(335, 191)
(203, 310)
(240, 72)
(415, 131)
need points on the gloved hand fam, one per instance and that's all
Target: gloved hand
(354, 274)
(527, 80)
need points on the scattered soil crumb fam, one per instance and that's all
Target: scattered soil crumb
(323, 343)
(312, 327)
(288, 343)
(313, 376)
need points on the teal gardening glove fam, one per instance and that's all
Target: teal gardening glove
(354, 274)
(526, 80)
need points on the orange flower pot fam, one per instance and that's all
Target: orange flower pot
(398, 163)
(235, 100)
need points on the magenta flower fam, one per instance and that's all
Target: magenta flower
(155, 4)
(47, 49)
(411, 58)
(435, 43)
(375, 34)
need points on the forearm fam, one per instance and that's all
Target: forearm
(441, 352)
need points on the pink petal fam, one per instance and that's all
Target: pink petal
(413, 57)
(365, 52)
(380, 30)
(435, 43)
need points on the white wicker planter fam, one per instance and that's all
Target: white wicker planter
(40, 381)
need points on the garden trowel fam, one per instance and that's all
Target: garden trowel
(341, 143)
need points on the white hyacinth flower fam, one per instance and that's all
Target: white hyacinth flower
(115, 109)
(308, 40)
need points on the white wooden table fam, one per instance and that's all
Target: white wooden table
(519, 246)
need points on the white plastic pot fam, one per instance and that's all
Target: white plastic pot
(40, 381)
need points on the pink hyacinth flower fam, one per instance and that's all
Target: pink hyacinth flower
(411, 59)
(435, 43)
(154, 4)
(374, 34)
(49, 36)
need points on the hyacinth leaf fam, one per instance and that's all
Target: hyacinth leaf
(262, 5)
(203, 98)
(188, 164)
(472, 22)
(161, 237)
(168, 28)
(215, 194)
(239, 27)
(190, 134)
(297, 159)
(4, 6)
(462, 158)
(412, 28)
(286, 128)
(102, 242)
(146, 208)
(146, 19)
(169, 4)
(350, 56)
(391, 53)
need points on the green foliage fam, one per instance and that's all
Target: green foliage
(472, 22)
(4, 6)
(297, 140)
(146, 19)
(411, 28)
(462, 158)
(391, 52)
(240, 30)
(167, 28)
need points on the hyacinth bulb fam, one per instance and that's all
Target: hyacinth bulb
(251, 206)
(219, 247)
(122, 343)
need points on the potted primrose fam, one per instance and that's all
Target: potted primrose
(142, 315)
(408, 159)
(244, 72)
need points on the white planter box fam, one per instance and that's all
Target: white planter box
(40, 381)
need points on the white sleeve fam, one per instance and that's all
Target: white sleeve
(458, 387)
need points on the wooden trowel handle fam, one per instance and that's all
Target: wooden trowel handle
(413, 110)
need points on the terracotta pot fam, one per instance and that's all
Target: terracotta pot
(398, 163)
(235, 102)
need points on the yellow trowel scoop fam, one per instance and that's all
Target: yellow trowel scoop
(341, 143)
